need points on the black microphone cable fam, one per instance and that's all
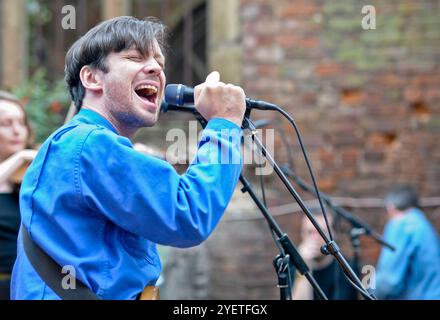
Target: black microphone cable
(292, 122)
(303, 149)
(309, 167)
(180, 94)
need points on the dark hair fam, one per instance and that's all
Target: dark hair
(402, 197)
(6, 96)
(114, 35)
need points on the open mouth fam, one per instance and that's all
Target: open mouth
(147, 92)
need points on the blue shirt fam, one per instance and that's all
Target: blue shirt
(412, 271)
(91, 201)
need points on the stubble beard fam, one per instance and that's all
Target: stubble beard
(122, 108)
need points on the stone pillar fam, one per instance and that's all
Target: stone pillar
(224, 44)
(13, 46)
(115, 8)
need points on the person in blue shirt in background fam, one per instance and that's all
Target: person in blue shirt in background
(90, 201)
(412, 271)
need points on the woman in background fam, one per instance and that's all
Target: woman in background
(15, 138)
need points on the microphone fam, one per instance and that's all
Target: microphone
(180, 95)
(165, 107)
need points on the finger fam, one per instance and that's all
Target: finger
(213, 77)
(197, 90)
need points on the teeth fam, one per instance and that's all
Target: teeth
(151, 89)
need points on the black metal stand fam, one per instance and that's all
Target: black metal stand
(288, 252)
(330, 247)
(282, 268)
(356, 243)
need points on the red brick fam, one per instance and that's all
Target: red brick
(327, 184)
(352, 96)
(390, 80)
(287, 40)
(349, 157)
(327, 69)
(412, 94)
(298, 9)
(308, 43)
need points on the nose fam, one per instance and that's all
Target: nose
(16, 128)
(152, 67)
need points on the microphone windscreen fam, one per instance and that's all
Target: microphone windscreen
(173, 94)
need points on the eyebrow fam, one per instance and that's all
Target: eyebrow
(131, 51)
(156, 54)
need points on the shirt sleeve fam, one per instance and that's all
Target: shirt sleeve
(146, 196)
(392, 266)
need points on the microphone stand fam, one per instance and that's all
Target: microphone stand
(330, 247)
(358, 227)
(288, 252)
(356, 245)
(289, 255)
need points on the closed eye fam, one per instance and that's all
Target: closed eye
(161, 63)
(135, 58)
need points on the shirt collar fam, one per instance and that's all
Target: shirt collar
(89, 116)
(414, 211)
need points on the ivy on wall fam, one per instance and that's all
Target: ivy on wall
(46, 103)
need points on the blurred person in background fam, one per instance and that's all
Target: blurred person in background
(324, 268)
(15, 137)
(412, 271)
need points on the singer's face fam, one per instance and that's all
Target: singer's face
(134, 87)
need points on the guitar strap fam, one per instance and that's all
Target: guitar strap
(51, 272)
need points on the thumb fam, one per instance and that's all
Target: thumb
(213, 77)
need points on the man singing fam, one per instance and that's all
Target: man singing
(90, 201)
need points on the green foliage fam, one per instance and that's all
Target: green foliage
(38, 11)
(46, 103)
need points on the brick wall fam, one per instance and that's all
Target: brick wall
(367, 103)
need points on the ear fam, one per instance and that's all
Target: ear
(91, 78)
